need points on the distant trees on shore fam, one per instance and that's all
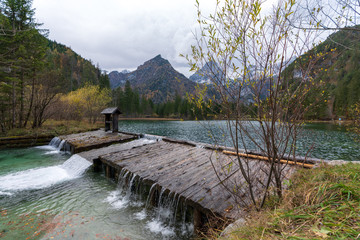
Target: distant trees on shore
(132, 104)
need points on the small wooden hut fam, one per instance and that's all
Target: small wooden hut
(111, 119)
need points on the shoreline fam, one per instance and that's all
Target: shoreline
(179, 119)
(152, 119)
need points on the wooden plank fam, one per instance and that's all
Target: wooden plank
(245, 155)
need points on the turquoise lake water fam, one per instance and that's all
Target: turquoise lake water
(329, 141)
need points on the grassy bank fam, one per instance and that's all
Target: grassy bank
(53, 128)
(323, 203)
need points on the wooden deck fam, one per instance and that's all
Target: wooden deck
(95, 139)
(185, 169)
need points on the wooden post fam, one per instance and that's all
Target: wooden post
(115, 122)
(197, 215)
(107, 122)
(97, 165)
(107, 171)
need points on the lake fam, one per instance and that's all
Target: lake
(47, 194)
(329, 141)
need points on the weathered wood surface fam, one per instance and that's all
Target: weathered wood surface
(185, 170)
(95, 139)
(94, 154)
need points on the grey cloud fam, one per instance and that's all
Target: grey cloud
(121, 34)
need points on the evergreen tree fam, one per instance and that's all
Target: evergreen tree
(20, 51)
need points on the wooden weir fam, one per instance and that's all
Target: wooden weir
(182, 169)
(178, 167)
(80, 142)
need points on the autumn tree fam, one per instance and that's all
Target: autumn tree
(263, 107)
(87, 102)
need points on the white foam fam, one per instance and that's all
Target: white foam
(137, 203)
(140, 215)
(46, 147)
(121, 203)
(39, 178)
(113, 196)
(52, 152)
(33, 179)
(51, 149)
(116, 200)
(158, 227)
(187, 228)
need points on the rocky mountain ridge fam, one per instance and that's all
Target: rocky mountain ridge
(156, 79)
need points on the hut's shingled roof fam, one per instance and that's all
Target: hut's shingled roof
(111, 110)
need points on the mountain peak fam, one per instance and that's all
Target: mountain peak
(155, 62)
(158, 60)
(157, 56)
(155, 79)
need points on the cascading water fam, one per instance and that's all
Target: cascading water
(167, 219)
(150, 196)
(39, 178)
(56, 146)
(125, 194)
(57, 143)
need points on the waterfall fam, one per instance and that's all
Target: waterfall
(166, 221)
(130, 188)
(169, 216)
(150, 196)
(55, 146)
(39, 178)
(57, 143)
(76, 165)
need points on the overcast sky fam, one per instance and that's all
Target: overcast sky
(123, 34)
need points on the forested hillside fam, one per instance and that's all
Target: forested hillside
(338, 71)
(35, 70)
(343, 73)
(75, 71)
